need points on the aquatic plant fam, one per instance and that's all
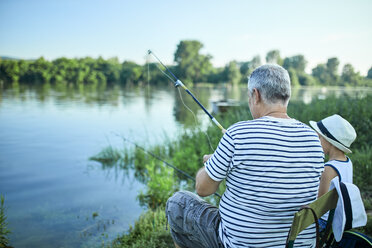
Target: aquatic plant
(161, 184)
(108, 156)
(4, 230)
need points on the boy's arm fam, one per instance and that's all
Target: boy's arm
(328, 174)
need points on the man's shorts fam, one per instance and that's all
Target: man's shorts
(193, 222)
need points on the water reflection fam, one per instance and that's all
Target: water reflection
(185, 109)
(183, 105)
(307, 94)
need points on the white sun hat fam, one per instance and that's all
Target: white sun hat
(337, 131)
(350, 211)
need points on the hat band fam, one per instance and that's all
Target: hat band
(326, 132)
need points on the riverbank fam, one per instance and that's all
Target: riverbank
(187, 149)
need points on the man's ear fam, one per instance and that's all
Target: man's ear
(257, 96)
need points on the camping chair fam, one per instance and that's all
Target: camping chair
(310, 214)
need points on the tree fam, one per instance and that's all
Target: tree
(130, 72)
(153, 74)
(64, 70)
(216, 75)
(232, 73)
(191, 65)
(327, 74)
(306, 79)
(293, 76)
(95, 77)
(110, 69)
(246, 68)
(273, 57)
(369, 74)
(320, 74)
(255, 62)
(23, 69)
(349, 76)
(332, 66)
(9, 70)
(297, 62)
(39, 71)
(332, 70)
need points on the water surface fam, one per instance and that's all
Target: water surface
(52, 190)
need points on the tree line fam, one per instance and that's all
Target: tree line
(191, 66)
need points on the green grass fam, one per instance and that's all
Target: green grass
(150, 231)
(362, 167)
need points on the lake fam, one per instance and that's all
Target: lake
(55, 196)
(51, 188)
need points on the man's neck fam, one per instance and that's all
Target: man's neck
(276, 111)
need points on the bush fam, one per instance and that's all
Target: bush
(362, 168)
(149, 231)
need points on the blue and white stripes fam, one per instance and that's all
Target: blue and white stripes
(272, 168)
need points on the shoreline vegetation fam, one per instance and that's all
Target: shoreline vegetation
(190, 65)
(187, 149)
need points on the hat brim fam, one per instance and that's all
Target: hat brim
(334, 143)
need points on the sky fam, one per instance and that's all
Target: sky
(229, 30)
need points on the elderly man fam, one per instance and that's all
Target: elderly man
(272, 166)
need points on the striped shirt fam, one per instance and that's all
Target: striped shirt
(272, 167)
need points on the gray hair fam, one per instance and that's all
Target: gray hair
(273, 82)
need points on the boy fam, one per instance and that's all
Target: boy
(336, 135)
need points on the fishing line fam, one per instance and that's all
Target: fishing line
(184, 104)
(196, 121)
(162, 71)
(180, 94)
(165, 73)
(148, 75)
(162, 160)
(178, 83)
(153, 54)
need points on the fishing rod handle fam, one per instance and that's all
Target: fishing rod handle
(218, 124)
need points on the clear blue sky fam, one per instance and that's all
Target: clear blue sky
(229, 30)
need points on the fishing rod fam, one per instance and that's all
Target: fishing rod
(165, 162)
(178, 83)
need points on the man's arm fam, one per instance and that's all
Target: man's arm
(205, 185)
